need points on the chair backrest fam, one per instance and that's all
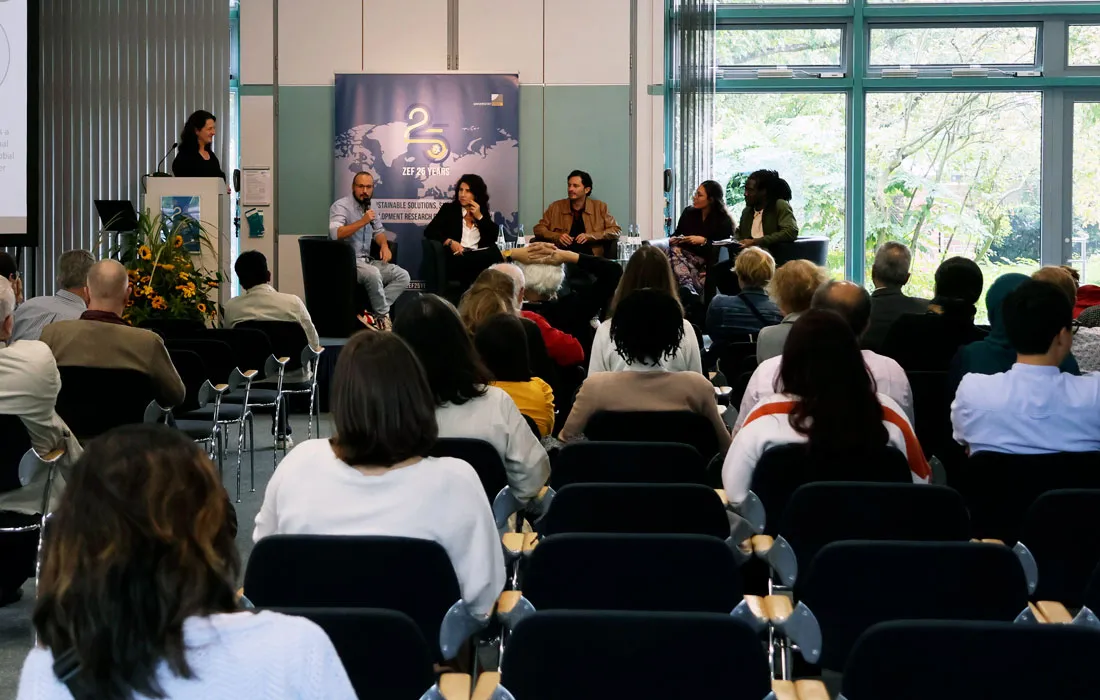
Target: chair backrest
(333, 295)
(655, 426)
(584, 571)
(396, 573)
(628, 462)
(972, 660)
(832, 511)
(287, 339)
(931, 408)
(999, 488)
(641, 508)
(1092, 591)
(1060, 531)
(383, 651)
(781, 470)
(480, 455)
(638, 655)
(173, 327)
(93, 400)
(731, 358)
(251, 347)
(217, 356)
(14, 443)
(192, 370)
(854, 584)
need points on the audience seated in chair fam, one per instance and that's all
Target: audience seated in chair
(500, 342)
(853, 303)
(890, 273)
(1086, 340)
(100, 338)
(260, 302)
(994, 353)
(792, 289)
(926, 342)
(648, 268)
(68, 302)
(825, 398)
(648, 326)
(137, 593)
(562, 347)
(466, 405)
(750, 310)
(374, 478)
(1033, 407)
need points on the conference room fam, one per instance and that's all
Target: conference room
(549, 349)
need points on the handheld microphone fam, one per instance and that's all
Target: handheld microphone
(159, 172)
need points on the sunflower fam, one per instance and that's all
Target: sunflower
(183, 276)
(188, 290)
(212, 283)
(148, 291)
(168, 267)
(159, 303)
(145, 279)
(133, 275)
(201, 307)
(129, 302)
(178, 242)
(144, 253)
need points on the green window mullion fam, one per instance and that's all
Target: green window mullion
(857, 146)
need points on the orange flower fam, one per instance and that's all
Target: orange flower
(212, 283)
(202, 308)
(145, 253)
(178, 242)
(168, 267)
(148, 291)
(159, 303)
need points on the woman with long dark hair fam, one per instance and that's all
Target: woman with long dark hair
(195, 156)
(465, 228)
(466, 405)
(137, 591)
(826, 398)
(648, 269)
(767, 218)
(690, 247)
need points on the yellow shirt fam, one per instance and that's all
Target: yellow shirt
(534, 399)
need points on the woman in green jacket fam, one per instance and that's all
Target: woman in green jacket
(767, 218)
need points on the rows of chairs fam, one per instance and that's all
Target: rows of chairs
(635, 583)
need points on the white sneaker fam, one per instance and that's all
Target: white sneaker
(284, 443)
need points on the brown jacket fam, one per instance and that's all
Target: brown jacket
(558, 219)
(83, 343)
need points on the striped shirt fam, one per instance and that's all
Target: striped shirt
(37, 313)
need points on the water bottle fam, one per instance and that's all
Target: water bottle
(501, 245)
(521, 237)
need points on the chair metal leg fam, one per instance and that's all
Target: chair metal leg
(240, 452)
(309, 426)
(252, 452)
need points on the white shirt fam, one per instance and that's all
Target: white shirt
(439, 499)
(1028, 410)
(890, 379)
(606, 359)
(767, 431)
(758, 224)
(471, 234)
(244, 655)
(263, 303)
(495, 419)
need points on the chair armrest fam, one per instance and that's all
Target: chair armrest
(722, 391)
(508, 601)
(755, 605)
(516, 543)
(487, 683)
(784, 690)
(455, 686)
(221, 388)
(1050, 612)
(282, 360)
(778, 607)
(990, 541)
(249, 373)
(762, 544)
(53, 455)
(811, 690)
(722, 496)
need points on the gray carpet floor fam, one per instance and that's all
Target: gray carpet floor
(15, 626)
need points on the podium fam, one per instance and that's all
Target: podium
(205, 199)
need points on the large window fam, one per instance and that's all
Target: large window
(1086, 190)
(1084, 44)
(780, 47)
(953, 46)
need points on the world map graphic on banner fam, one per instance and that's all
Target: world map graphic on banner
(417, 134)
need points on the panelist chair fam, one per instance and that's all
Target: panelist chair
(333, 294)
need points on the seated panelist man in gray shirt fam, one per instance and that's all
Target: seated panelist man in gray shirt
(68, 302)
(351, 218)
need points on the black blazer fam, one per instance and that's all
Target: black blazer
(716, 227)
(191, 164)
(448, 224)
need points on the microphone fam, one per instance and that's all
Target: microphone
(159, 172)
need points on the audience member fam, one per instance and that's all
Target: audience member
(466, 405)
(890, 273)
(745, 314)
(853, 303)
(373, 477)
(1088, 295)
(29, 384)
(994, 353)
(10, 271)
(825, 398)
(927, 342)
(648, 268)
(1060, 277)
(792, 289)
(592, 283)
(137, 591)
(260, 302)
(67, 303)
(101, 338)
(562, 347)
(502, 345)
(647, 328)
(1086, 339)
(1033, 407)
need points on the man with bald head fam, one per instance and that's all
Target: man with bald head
(852, 303)
(101, 338)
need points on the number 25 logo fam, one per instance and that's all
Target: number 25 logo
(439, 149)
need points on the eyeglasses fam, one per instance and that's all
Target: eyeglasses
(1075, 326)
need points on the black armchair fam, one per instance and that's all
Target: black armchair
(334, 296)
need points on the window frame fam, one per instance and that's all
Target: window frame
(733, 72)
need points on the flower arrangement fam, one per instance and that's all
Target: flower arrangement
(165, 284)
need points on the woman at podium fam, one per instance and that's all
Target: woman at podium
(195, 157)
